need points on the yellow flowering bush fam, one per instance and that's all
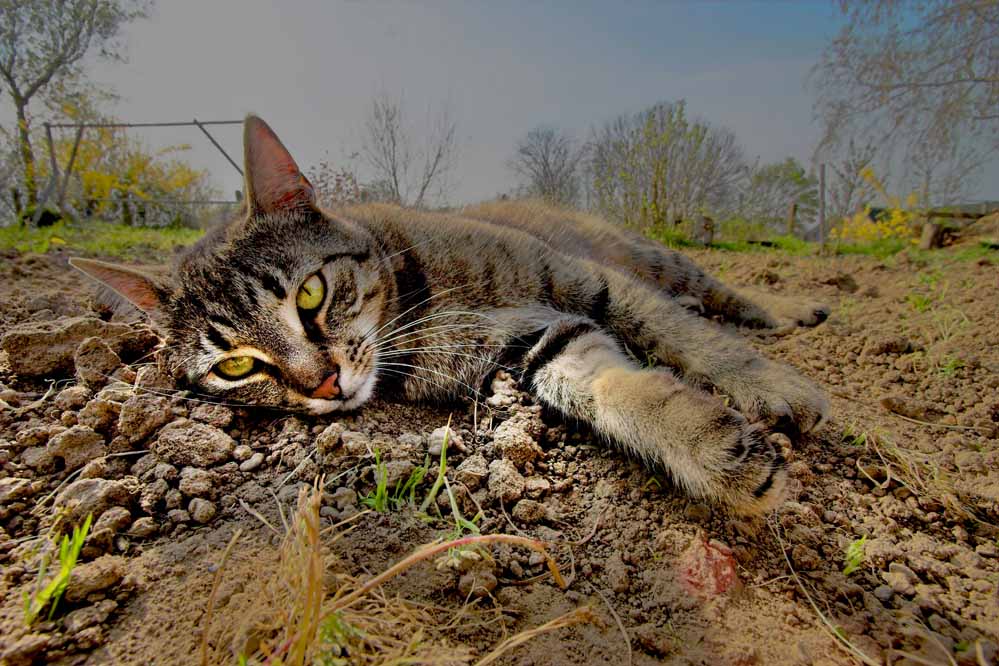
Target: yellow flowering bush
(894, 222)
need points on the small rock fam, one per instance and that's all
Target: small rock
(103, 573)
(144, 527)
(617, 572)
(151, 377)
(142, 415)
(344, 498)
(537, 487)
(165, 471)
(178, 516)
(201, 510)
(97, 468)
(435, 442)
(472, 471)
(13, 489)
(707, 568)
(100, 415)
(117, 392)
(77, 446)
(476, 584)
(95, 496)
(95, 361)
(185, 442)
(505, 482)
(356, 443)
(329, 439)
(46, 348)
(252, 463)
(530, 512)
(213, 414)
(152, 494)
(242, 453)
(173, 498)
(516, 441)
(26, 650)
(884, 593)
(89, 616)
(38, 458)
(73, 397)
(397, 472)
(196, 482)
(901, 579)
(116, 519)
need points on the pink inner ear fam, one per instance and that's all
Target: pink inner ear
(133, 286)
(276, 181)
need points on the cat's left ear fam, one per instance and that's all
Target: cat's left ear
(274, 183)
(140, 289)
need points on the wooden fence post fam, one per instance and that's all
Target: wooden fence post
(792, 212)
(822, 207)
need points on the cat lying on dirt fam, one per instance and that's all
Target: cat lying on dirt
(293, 307)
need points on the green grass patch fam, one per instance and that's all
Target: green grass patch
(98, 238)
(48, 594)
(881, 249)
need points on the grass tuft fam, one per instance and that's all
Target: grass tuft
(51, 592)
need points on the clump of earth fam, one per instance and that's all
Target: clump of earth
(91, 425)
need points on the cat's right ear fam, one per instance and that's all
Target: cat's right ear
(141, 290)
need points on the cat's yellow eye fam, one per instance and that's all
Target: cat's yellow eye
(310, 294)
(235, 367)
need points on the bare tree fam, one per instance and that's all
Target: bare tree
(408, 170)
(847, 189)
(547, 163)
(928, 70)
(42, 43)
(658, 166)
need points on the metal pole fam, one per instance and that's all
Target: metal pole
(822, 208)
(69, 165)
(217, 145)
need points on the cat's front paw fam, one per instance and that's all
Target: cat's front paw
(777, 396)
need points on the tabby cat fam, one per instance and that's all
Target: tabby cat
(294, 307)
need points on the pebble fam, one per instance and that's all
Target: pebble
(178, 516)
(530, 512)
(356, 443)
(435, 442)
(196, 482)
(505, 482)
(77, 446)
(329, 438)
(472, 471)
(73, 397)
(201, 510)
(477, 584)
(252, 463)
(884, 594)
(537, 487)
(142, 415)
(100, 415)
(94, 496)
(143, 527)
(697, 512)
(185, 442)
(103, 573)
(215, 415)
(80, 619)
(95, 361)
(25, 650)
(242, 453)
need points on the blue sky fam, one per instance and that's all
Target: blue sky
(310, 68)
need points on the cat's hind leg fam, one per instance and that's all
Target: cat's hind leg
(708, 449)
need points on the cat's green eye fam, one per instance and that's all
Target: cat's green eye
(310, 294)
(235, 367)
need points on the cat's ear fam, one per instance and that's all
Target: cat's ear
(274, 182)
(141, 290)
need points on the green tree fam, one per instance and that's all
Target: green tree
(42, 45)
(658, 166)
(771, 188)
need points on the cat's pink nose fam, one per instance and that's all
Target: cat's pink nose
(329, 388)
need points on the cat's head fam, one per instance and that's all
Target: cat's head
(281, 307)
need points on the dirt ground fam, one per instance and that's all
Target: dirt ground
(909, 461)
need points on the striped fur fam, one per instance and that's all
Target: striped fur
(426, 306)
